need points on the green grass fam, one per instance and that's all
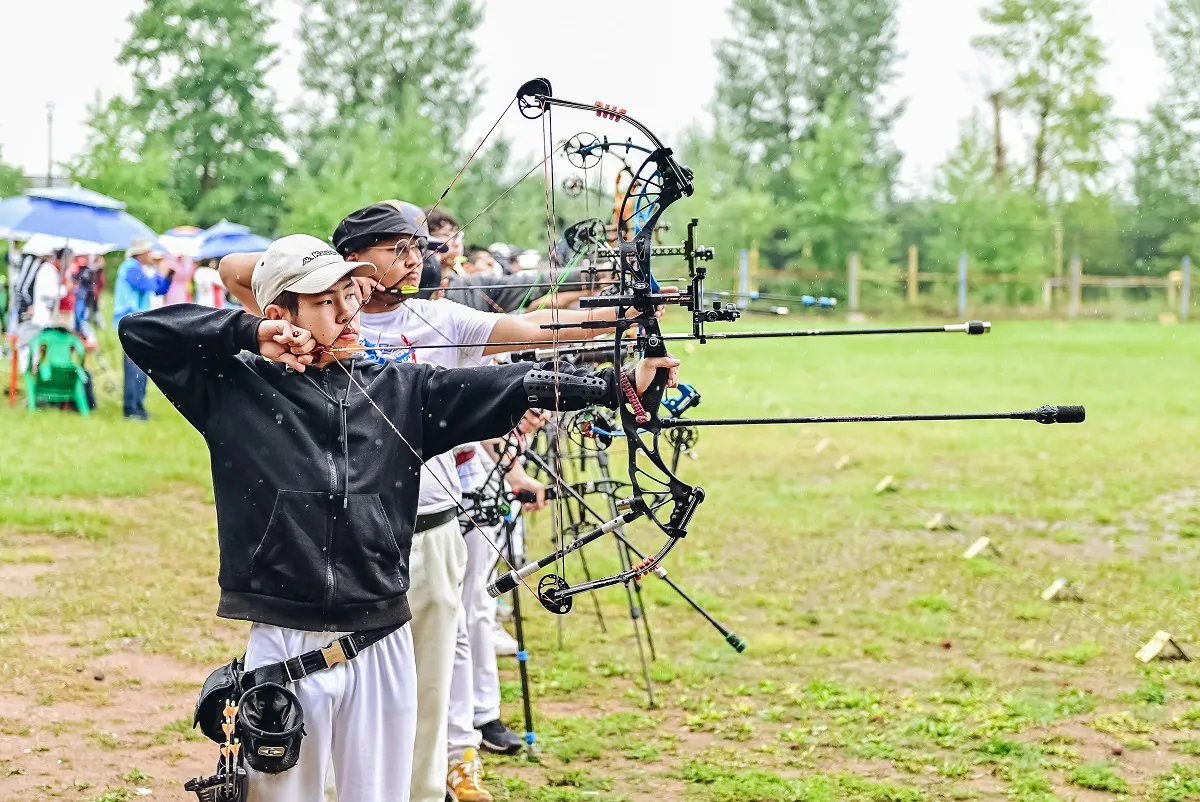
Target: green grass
(881, 665)
(1099, 777)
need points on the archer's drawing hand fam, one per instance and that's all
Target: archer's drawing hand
(532, 420)
(280, 341)
(647, 367)
(519, 480)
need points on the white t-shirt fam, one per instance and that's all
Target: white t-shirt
(46, 292)
(208, 281)
(420, 322)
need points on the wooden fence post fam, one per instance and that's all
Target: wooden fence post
(852, 270)
(743, 297)
(1185, 291)
(1058, 250)
(1174, 280)
(913, 267)
(962, 284)
(1076, 286)
(754, 266)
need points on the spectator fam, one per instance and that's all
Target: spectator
(85, 295)
(443, 227)
(33, 298)
(98, 274)
(180, 291)
(139, 279)
(480, 262)
(209, 290)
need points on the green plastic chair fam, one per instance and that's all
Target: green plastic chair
(59, 376)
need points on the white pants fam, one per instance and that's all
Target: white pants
(436, 566)
(480, 621)
(460, 714)
(360, 714)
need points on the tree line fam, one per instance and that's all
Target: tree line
(796, 155)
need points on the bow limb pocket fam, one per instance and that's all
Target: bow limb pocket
(289, 562)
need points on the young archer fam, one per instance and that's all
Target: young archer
(450, 335)
(316, 496)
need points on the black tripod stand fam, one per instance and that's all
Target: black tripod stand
(507, 528)
(575, 494)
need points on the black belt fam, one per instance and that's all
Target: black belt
(435, 519)
(296, 668)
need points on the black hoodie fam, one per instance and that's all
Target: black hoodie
(316, 498)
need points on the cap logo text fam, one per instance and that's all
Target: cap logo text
(316, 255)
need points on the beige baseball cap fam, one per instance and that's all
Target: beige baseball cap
(303, 264)
(139, 246)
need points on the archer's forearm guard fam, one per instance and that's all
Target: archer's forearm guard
(570, 389)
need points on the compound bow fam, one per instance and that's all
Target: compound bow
(657, 492)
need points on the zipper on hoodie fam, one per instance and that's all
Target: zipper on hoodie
(331, 517)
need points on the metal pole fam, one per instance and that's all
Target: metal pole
(1185, 293)
(49, 145)
(962, 283)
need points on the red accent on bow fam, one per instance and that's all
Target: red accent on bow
(608, 111)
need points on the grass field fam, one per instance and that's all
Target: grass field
(882, 665)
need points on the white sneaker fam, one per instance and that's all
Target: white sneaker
(505, 644)
(504, 611)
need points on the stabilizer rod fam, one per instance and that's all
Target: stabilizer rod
(1045, 414)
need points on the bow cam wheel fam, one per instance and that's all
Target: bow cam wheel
(549, 588)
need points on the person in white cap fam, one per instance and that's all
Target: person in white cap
(317, 496)
(452, 664)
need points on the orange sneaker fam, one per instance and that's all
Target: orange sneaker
(465, 780)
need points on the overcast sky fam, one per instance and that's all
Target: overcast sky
(654, 57)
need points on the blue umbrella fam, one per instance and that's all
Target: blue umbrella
(225, 238)
(74, 213)
(216, 247)
(226, 228)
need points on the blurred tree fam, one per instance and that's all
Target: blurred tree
(363, 59)
(124, 163)
(368, 162)
(1052, 61)
(730, 199)
(802, 79)
(372, 161)
(519, 217)
(199, 71)
(1166, 177)
(838, 205)
(12, 180)
(1002, 227)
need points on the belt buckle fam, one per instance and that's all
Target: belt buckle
(334, 654)
(287, 669)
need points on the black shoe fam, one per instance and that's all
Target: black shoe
(499, 739)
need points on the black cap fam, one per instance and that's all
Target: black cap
(365, 227)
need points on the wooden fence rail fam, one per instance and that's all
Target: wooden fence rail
(1177, 283)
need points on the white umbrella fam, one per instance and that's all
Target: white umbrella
(42, 244)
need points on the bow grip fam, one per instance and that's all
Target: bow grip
(655, 346)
